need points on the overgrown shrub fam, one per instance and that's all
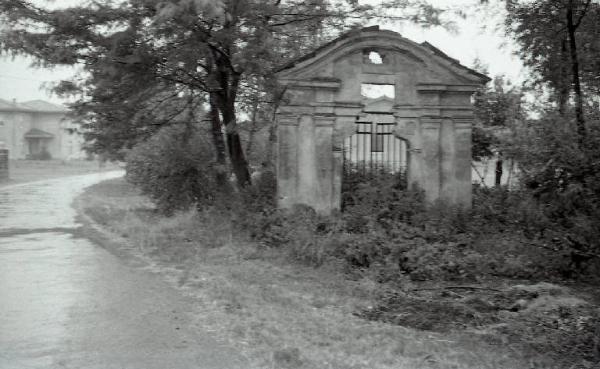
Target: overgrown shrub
(499, 209)
(561, 171)
(175, 168)
(378, 198)
(388, 229)
(260, 195)
(300, 232)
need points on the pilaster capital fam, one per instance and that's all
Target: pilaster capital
(463, 122)
(324, 120)
(287, 120)
(431, 122)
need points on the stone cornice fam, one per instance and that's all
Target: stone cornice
(463, 122)
(431, 122)
(438, 87)
(287, 120)
(339, 104)
(354, 104)
(310, 83)
(324, 120)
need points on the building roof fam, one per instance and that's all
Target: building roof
(8, 106)
(425, 45)
(33, 106)
(37, 133)
(44, 106)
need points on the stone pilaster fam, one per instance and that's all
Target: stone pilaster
(324, 164)
(336, 181)
(447, 161)
(407, 129)
(307, 159)
(344, 128)
(462, 158)
(430, 169)
(306, 164)
(287, 160)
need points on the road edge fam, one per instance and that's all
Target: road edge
(110, 241)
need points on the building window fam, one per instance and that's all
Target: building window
(377, 90)
(373, 57)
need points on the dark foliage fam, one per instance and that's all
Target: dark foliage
(483, 142)
(564, 179)
(389, 232)
(175, 168)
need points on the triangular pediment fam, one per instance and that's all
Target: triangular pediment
(37, 133)
(396, 55)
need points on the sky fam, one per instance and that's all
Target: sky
(475, 38)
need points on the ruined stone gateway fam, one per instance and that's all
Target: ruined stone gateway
(376, 99)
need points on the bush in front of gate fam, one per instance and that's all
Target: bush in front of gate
(387, 231)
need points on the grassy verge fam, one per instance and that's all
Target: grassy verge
(284, 315)
(21, 171)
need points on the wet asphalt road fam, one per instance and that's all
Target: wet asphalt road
(65, 302)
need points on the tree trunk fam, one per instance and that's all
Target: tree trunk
(228, 81)
(238, 160)
(498, 179)
(234, 147)
(219, 142)
(571, 27)
(253, 129)
(563, 92)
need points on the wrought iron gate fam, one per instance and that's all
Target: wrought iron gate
(374, 149)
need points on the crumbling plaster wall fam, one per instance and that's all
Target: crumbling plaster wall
(431, 108)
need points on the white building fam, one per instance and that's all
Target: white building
(39, 130)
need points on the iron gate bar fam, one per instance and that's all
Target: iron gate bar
(370, 149)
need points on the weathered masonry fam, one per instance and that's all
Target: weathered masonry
(376, 99)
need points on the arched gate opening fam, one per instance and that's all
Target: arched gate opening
(397, 88)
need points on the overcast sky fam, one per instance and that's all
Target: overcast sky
(475, 38)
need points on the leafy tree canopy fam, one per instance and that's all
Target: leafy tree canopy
(148, 61)
(559, 41)
(541, 30)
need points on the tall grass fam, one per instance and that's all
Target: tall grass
(280, 313)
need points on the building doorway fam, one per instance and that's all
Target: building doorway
(38, 142)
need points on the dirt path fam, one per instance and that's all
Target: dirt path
(67, 303)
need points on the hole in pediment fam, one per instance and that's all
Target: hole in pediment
(375, 91)
(373, 57)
